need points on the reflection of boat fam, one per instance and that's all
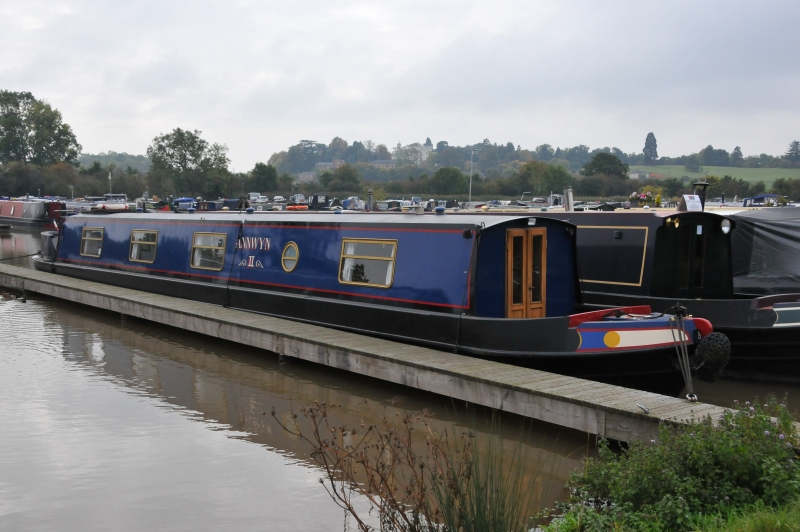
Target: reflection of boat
(237, 386)
(502, 288)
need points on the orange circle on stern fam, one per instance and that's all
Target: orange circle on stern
(611, 339)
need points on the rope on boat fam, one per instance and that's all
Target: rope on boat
(676, 325)
(21, 256)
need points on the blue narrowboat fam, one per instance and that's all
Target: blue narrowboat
(500, 287)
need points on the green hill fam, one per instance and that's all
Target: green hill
(767, 175)
(121, 160)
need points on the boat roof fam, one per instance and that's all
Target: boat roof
(312, 217)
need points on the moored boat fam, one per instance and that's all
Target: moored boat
(34, 213)
(501, 287)
(662, 257)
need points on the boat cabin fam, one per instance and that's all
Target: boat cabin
(665, 254)
(499, 267)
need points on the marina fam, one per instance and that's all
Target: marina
(198, 405)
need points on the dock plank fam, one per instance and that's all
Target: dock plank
(588, 406)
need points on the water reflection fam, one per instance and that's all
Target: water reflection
(95, 413)
(237, 386)
(17, 246)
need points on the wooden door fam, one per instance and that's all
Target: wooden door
(526, 269)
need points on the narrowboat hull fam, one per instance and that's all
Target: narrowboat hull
(549, 343)
(27, 223)
(458, 296)
(764, 332)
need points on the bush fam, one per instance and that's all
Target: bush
(713, 466)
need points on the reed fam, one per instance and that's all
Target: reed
(422, 479)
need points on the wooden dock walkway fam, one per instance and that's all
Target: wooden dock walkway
(600, 409)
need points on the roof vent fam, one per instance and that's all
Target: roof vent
(190, 210)
(439, 210)
(249, 210)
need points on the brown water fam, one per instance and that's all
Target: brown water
(127, 425)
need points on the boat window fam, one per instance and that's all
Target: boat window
(289, 257)
(12, 209)
(536, 269)
(143, 246)
(516, 269)
(208, 251)
(92, 241)
(367, 262)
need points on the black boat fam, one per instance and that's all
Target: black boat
(663, 257)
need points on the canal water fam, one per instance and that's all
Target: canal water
(108, 424)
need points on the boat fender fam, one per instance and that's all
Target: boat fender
(711, 356)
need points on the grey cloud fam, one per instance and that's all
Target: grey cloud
(261, 76)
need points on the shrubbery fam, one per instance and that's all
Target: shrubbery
(748, 456)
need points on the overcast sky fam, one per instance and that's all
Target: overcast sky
(260, 76)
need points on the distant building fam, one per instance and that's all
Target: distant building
(333, 165)
(306, 177)
(426, 149)
(384, 163)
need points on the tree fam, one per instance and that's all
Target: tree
(757, 188)
(650, 149)
(736, 157)
(337, 148)
(793, 153)
(543, 152)
(448, 180)
(184, 163)
(346, 178)
(285, 181)
(672, 186)
(605, 164)
(382, 153)
(711, 157)
(31, 131)
(692, 163)
(264, 177)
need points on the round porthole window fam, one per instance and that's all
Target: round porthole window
(289, 257)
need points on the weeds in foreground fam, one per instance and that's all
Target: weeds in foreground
(748, 456)
(418, 478)
(755, 518)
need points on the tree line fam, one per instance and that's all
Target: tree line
(40, 153)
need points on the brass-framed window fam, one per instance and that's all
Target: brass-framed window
(208, 251)
(290, 257)
(12, 209)
(143, 246)
(92, 241)
(367, 262)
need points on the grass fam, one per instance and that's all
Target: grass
(758, 518)
(767, 175)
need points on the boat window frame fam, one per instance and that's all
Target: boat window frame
(154, 244)
(224, 246)
(296, 258)
(84, 230)
(392, 259)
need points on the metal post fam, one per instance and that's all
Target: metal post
(109, 181)
(471, 171)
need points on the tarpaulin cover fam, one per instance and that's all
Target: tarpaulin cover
(766, 251)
